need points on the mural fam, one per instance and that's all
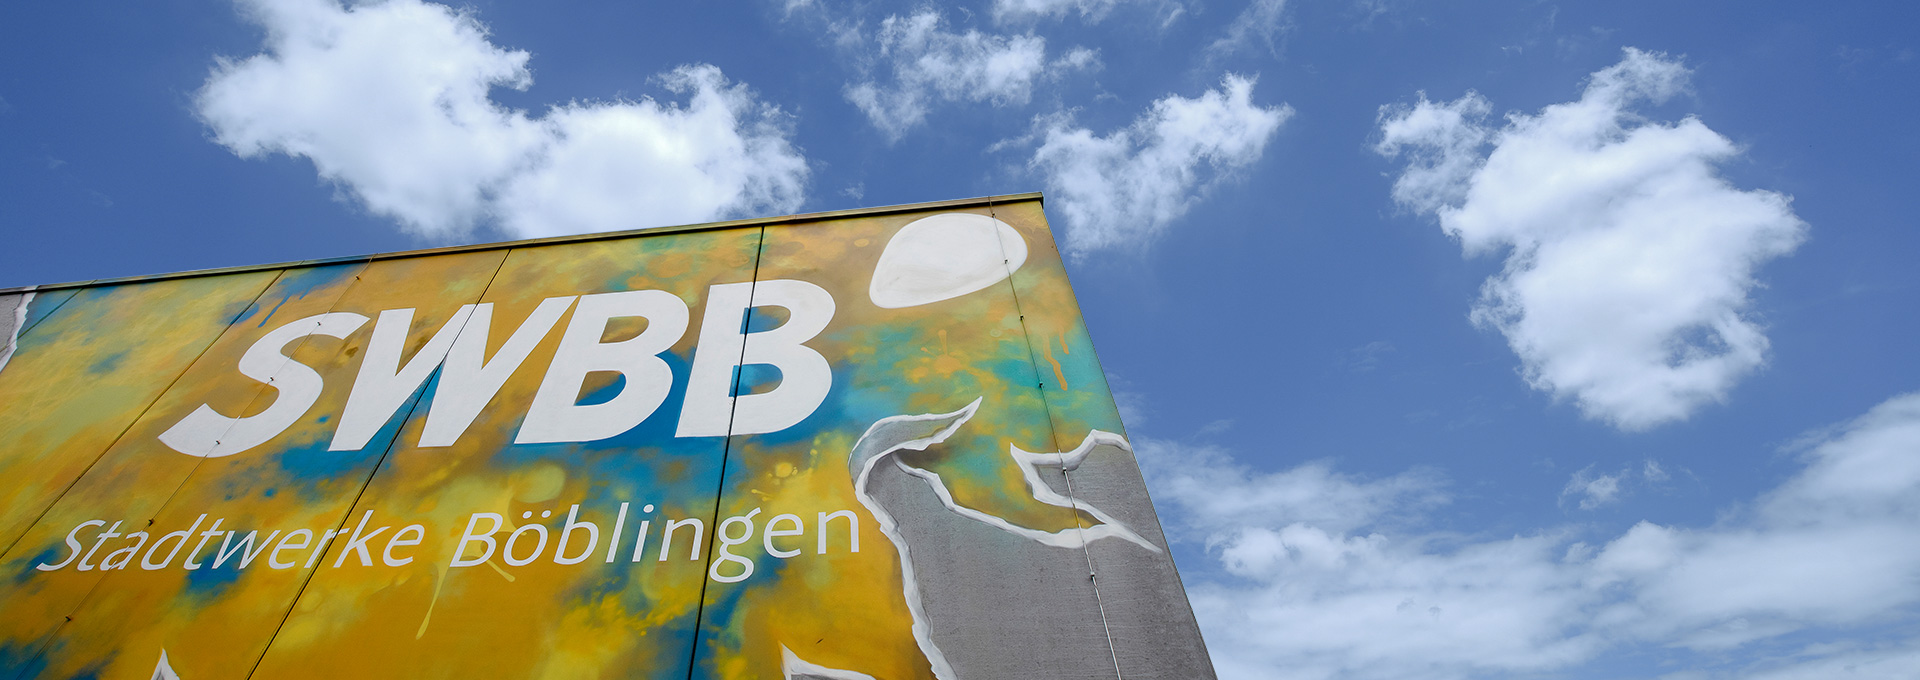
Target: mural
(875, 444)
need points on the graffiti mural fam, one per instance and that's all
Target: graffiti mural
(873, 444)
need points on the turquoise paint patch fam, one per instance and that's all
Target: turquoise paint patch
(297, 284)
(21, 661)
(308, 467)
(207, 582)
(755, 379)
(109, 363)
(604, 394)
(49, 556)
(44, 305)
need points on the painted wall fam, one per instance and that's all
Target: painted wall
(878, 445)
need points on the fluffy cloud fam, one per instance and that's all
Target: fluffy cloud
(627, 165)
(1629, 260)
(390, 102)
(1123, 189)
(1834, 545)
(925, 63)
(1319, 575)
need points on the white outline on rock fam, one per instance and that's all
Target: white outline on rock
(19, 324)
(164, 671)
(1076, 537)
(792, 666)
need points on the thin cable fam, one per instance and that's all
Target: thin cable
(726, 449)
(55, 633)
(259, 393)
(1033, 359)
(137, 418)
(56, 307)
(286, 357)
(414, 404)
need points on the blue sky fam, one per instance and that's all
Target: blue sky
(1501, 339)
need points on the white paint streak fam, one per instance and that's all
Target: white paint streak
(792, 667)
(164, 671)
(1029, 468)
(19, 324)
(1030, 464)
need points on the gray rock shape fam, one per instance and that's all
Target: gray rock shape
(1148, 614)
(164, 670)
(13, 319)
(991, 599)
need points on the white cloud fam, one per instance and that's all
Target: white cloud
(925, 64)
(1314, 574)
(1593, 490)
(1217, 495)
(1900, 663)
(390, 101)
(1629, 259)
(1653, 472)
(635, 164)
(1369, 357)
(1833, 545)
(1257, 25)
(1123, 189)
(1092, 11)
(1322, 575)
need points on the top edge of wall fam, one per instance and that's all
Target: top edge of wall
(782, 220)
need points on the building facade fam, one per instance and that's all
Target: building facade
(874, 443)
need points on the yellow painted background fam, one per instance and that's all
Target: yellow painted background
(102, 374)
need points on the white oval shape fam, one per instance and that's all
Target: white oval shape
(945, 256)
